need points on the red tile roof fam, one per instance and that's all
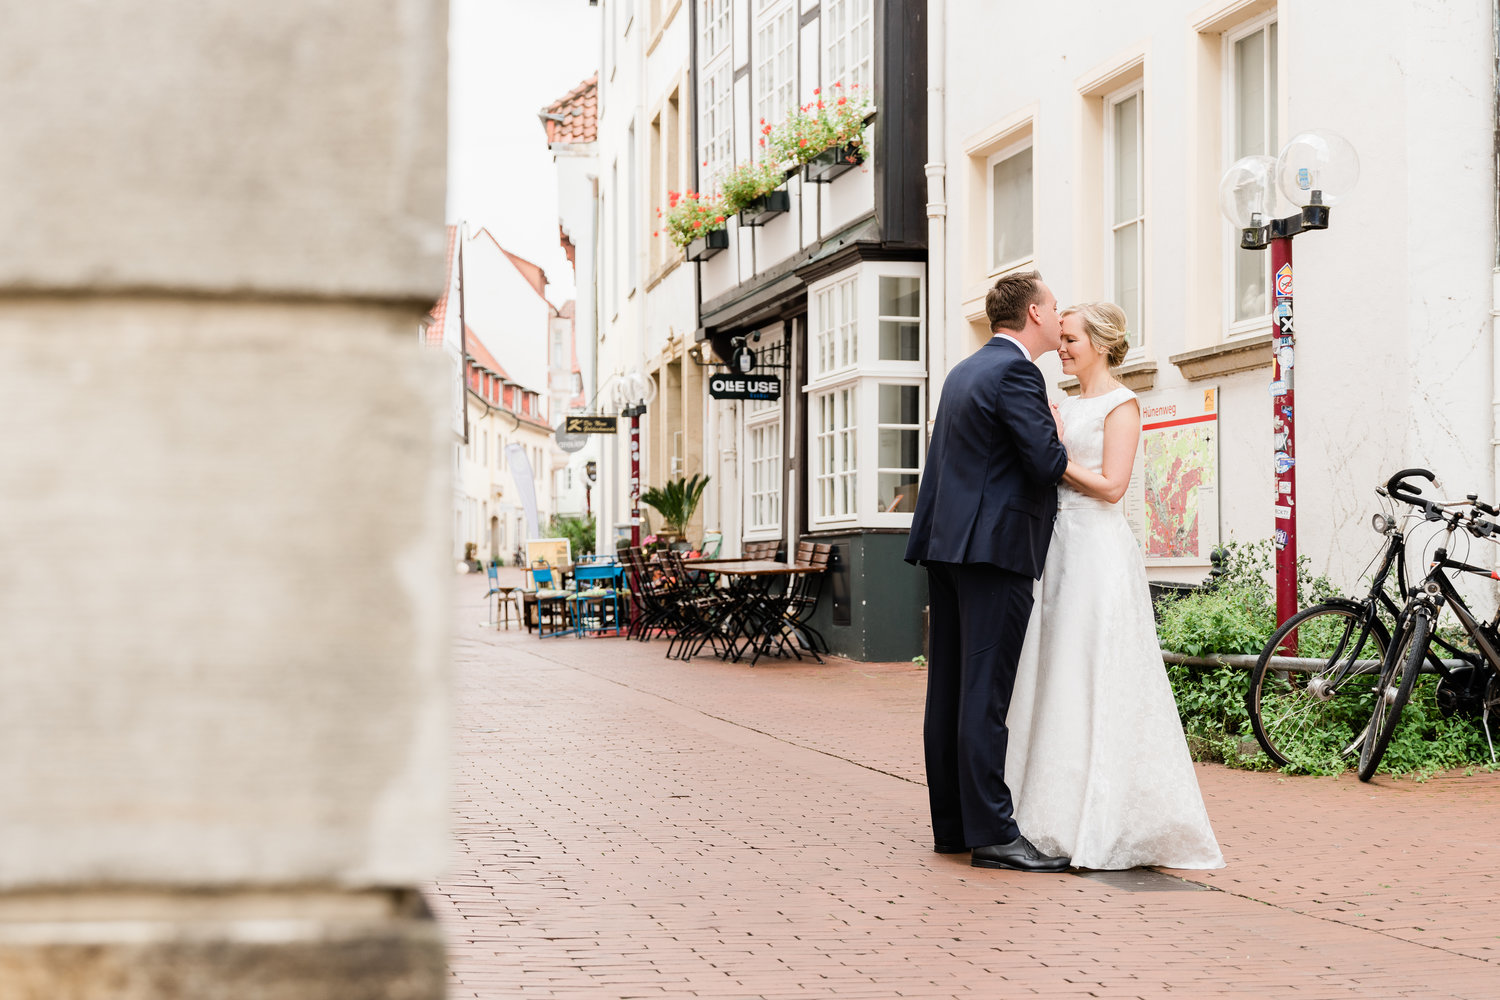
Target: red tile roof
(478, 352)
(578, 111)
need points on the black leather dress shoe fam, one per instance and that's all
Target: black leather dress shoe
(949, 848)
(1018, 855)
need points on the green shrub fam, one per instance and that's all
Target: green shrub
(1238, 615)
(578, 530)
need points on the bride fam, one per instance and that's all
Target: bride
(1097, 762)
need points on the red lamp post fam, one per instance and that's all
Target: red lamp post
(1314, 170)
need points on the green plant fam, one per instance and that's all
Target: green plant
(1238, 615)
(746, 182)
(676, 501)
(691, 214)
(837, 119)
(578, 530)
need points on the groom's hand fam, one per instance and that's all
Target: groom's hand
(1057, 419)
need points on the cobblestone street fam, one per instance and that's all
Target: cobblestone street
(630, 826)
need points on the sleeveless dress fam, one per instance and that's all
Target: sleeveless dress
(1097, 762)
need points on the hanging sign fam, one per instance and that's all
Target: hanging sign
(722, 386)
(588, 425)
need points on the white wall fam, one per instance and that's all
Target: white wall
(1392, 303)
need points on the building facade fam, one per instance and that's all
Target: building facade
(505, 311)
(830, 296)
(647, 293)
(1098, 159)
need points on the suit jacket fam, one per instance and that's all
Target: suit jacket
(989, 490)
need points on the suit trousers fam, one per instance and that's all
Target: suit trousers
(977, 619)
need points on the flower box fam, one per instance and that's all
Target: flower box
(766, 207)
(710, 243)
(832, 163)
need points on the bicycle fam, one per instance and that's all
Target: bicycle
(1311, 709)
(1472, 687)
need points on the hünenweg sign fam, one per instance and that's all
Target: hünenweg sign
(722, 386)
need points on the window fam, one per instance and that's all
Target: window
(484, 446)
(763, 429)
(1251, 117)
(836, 343)
(775, 55)
(900, 318)
(559, 350)
(632, 239)
(764, 441)
(718, 113)
(715, 22)
(835, 461)
(849, 27)
(1125, 194)
(866, 394)
(899, 411)
(1011, 241)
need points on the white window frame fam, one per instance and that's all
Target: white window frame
(835, 453)
(1137, 89)
(715, 22)
(716, 121)
(1237, 329)
(835, 345)
(995, 268)
(774, 60)
(861, 377)
(840, 38)
(767, 417)
(918, 426)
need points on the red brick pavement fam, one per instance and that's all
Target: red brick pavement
(630, 826)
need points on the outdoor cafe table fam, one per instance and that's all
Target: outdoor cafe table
(751, 579)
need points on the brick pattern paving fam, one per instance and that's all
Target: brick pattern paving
(630, 826)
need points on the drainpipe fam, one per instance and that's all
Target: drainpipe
(937, 207)
(1495, 272)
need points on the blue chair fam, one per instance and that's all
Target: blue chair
(595, 600)
(552, 613)
(493, 572)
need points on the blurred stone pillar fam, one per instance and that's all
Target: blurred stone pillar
(223, 499)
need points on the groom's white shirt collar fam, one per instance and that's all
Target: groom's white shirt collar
(1013, 340)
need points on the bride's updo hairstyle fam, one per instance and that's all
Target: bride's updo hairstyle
(1104, 322)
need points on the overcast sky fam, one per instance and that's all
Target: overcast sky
(507, 59)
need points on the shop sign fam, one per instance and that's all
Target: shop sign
(588, 425)
(722, 386)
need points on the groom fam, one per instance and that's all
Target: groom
(982, 525)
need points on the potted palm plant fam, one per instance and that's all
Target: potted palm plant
(676, 502)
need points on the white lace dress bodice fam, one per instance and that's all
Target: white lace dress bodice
(1096, 759)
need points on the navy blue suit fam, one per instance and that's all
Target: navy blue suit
(982, 525)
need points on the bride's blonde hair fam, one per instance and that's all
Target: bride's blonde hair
(1104, 322)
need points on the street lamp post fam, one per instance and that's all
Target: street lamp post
(1314, 171)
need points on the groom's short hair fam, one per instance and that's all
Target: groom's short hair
(1007, 302)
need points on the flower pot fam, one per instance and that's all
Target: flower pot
(766, 207)
(833, 162)
(710, 243)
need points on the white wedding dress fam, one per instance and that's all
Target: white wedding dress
(1097, 763)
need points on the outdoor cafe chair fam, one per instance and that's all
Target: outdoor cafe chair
(595, 600)
(552, 613)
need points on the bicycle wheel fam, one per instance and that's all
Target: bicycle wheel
(1315, 719)
(1402, 667)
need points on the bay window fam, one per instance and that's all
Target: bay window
(866, 395)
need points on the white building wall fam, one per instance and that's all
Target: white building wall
(1393, 302)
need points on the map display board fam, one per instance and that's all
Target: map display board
(1173, 500)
